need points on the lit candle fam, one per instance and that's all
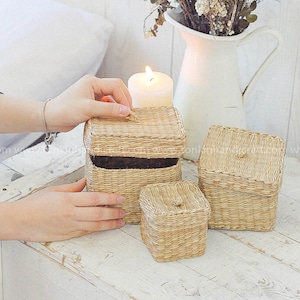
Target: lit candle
(151, 89)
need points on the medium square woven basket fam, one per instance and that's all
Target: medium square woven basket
(174, 220)
(125, 155)
(240, 174)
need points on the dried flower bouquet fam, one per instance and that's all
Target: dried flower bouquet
(215, 17)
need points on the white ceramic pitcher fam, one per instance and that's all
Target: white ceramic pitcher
(209, 90)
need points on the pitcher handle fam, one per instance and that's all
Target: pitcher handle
(259, 31)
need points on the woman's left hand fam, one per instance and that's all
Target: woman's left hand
(88, 97)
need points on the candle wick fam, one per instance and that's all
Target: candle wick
(152, 78)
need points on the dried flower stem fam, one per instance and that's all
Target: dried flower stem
(149, 15)
(191, 18)
(233, 15)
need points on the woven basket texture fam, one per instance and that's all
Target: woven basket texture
(156, 132)
(128, 183)
(240, 174)
(174, 220)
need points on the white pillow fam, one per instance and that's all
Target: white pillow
(45, 46)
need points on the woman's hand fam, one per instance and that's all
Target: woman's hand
(63, 212)
(88, 97)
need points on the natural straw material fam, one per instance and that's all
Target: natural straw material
(174, 220)
(133, 153)
(128, 183)
(155, 132)
(240, 174)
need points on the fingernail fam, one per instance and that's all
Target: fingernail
(122, 213)
(124, 110)
(120, 199)
(120, 223)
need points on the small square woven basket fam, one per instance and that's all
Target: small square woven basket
(240, 174)
(125, 155)
(174, 220)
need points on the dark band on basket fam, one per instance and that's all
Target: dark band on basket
(118, 162)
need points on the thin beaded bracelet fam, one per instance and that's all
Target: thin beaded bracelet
(49, 136)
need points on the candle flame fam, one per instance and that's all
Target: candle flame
(149, 73)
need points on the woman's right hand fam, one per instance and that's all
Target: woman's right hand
(63, 212)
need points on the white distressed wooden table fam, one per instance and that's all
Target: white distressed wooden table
(117, 265)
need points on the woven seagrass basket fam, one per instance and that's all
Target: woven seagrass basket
(174, 220)
(240, 174)
(125, 155)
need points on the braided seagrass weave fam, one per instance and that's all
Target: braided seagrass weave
(240, 174)
(125, 155)
(174, 220)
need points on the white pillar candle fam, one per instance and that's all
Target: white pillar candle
(151, 89)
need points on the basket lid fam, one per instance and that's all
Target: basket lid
(244, 156)
(173, 198)
(155, 132)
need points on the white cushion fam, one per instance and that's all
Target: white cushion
(45, 47)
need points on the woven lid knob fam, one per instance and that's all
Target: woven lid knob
(242, 154)
(176, 202)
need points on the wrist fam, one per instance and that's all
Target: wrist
(49, 136)
(52, 115)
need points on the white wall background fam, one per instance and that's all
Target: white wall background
(273, 105)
